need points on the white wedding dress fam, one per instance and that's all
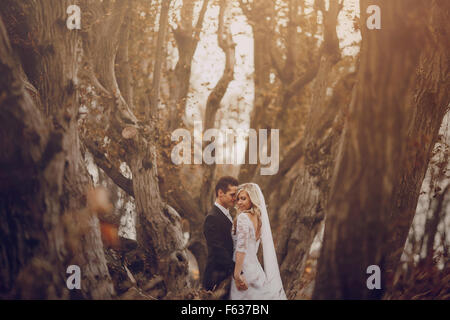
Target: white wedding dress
(262, 284)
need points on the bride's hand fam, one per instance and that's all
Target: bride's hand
(241, 284)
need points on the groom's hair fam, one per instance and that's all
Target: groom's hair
(224, 182)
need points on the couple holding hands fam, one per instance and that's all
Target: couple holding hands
(233, 245)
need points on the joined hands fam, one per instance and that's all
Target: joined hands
(240, 282)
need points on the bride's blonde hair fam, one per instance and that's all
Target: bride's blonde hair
(254, 209)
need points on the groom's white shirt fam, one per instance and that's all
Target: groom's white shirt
(226, 212)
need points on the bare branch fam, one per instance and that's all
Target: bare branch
(288, 161)
(155, 92)
(330, 19)
(228, 46)
(101, 44)
(301, 82)
(123, 68)
(275, 56)
(201, 18)
(245, 6)
(111, 171)
(291, 46)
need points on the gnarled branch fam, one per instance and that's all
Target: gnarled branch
(111, 171)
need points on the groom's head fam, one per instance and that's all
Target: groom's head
(226, 189)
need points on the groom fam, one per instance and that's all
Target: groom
(217, 231)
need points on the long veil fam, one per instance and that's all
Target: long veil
(271, 269)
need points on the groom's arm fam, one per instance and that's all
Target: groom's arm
(216, 243)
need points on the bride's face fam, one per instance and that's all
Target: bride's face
(243, 201)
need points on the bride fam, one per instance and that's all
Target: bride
(250, 228)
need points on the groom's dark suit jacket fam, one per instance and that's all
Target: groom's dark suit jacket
(217, 231)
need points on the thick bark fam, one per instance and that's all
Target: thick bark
(122, 65)
(306, 206)
(189, 209)
(158, 229)
(294, 239)
(45, 223)
(430, 102)
(111, 171)
(372, 152)
(174, 193)
(103, 31)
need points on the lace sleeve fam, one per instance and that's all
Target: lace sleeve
(242, 233)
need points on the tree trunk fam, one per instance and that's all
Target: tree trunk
(156, 85)
(430, 103)
(187, 38)
(306, 206)
(174, 193)
(257, 12)
(43, 198)
(158, 229)
(372, 151)
(226, 44)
